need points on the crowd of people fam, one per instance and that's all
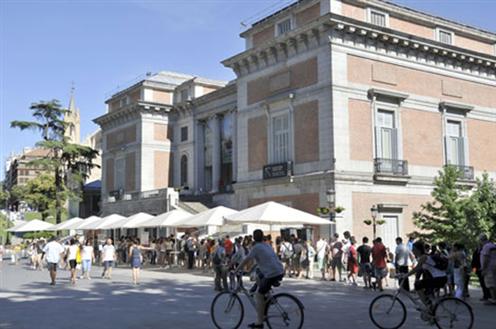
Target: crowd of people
(340, 259)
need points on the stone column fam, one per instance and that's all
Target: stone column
(214, 125)
(199, 164)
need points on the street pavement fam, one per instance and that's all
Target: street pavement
(172, 299)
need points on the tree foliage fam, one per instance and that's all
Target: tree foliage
(458, 212)
(40, 194)
(70, 164)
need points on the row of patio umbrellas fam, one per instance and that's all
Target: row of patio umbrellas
(269, 213)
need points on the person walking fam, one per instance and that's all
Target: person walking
(476, 268)
(459, 260)
(53, 251)
(311, 259)
(365, 268)
(402, 256)
(322, 247)
(219, 261)
(379, 261)
(337, 258)
(71, 256)
(108, 258)
(136, 259)
(488, 267)
(352, 262)
(87, 257)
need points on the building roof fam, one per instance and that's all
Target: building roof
(37, 152)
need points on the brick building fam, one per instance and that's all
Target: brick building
(362, 98)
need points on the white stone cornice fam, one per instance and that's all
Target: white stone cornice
(349, 32)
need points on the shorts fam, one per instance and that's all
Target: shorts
(321, 263)
(72, 264)
(52, 267)
(337, 262)
(490, 279)
(266, 284)
(108, 264)
(380, 273)
(365, 269)
(430, 284)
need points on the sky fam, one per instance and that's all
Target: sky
(46, 46)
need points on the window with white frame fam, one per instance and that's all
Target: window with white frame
(284, 26)
(445, 36)
(378, 18)
(454, 143)
(120, 172)
(386, 135)
(280, 138)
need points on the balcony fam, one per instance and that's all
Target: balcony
(391, 170)
(466, 172)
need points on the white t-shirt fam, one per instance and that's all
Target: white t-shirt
(87, 253)
(402, 255)
(52, 251)
(72, 252)
(321, 248)
(108, 252)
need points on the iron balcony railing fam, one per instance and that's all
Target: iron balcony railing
(391, 167)
(466, 172)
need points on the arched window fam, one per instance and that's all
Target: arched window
(184, 170)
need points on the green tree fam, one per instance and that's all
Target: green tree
(69, 163)
(18, 193)
(444, 218)
(481, 210)
(4, 197)
(40, 194)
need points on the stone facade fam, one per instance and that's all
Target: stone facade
(361, 97)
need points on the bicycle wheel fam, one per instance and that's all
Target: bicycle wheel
(387, 312)
(227, 311)
(452, 312)
(284, 311)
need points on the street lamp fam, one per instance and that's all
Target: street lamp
(331, 200)
(374, 211)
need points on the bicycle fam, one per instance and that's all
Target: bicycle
(387, 311)
(282, 310)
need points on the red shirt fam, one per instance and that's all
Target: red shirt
(228, 245)
(379, 255)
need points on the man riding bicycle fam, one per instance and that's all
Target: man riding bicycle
(431, 270)
(270, 273)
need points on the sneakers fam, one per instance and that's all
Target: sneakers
(253, 325)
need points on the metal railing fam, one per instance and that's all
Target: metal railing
(390, 167)
(466, 172)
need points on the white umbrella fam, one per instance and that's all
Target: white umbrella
(85, 223)
(211, 217)
(34, 226)
(273, 213)
(131, 221)
(64, 225)
(107, 220)
(167, 219)
(16, 226)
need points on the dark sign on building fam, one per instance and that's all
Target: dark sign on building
(278, 170)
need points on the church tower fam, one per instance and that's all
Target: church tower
(74, 131)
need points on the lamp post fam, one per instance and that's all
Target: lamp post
(331, 200)
(374, 211)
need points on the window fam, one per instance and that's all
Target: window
(378, 18)
(389, 231)
(184, 134)
(284, 26)
(184, 95)
(445, 37)
(280, 138)
(119, 173)
(184, 170)
(124, 101)
(386, 135)
(454, 143)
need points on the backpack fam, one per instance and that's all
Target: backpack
(288, 250)
(217, 259)
(440, 262)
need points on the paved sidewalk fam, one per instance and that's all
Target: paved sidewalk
(169, 300)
